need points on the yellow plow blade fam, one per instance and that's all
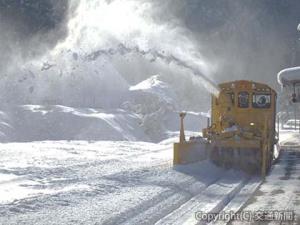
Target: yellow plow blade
(189, 152)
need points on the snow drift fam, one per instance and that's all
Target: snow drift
(147, 111)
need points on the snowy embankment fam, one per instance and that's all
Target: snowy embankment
(148, 112)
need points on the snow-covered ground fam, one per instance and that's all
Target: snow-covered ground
(280, 192)
(120, 181)
(130, 182)
(107, 182)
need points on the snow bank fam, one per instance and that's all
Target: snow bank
(147, 111)
(36, 122)
(158, 106)
(156, 87)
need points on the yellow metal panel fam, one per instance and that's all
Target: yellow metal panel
(189, 152)
(249, 144)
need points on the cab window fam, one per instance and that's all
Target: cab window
(231, 97)
(261, 101)
(243, 99)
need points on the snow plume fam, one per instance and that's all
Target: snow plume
(152, 55)
(108, 28)
(69, 57)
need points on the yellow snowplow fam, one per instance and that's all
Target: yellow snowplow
(241, 133)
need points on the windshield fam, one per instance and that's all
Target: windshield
(243, 99)
(261, 100)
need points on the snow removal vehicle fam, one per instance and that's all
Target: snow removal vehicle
(241, 133)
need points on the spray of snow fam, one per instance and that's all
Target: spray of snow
(125, 27)
(81, 72)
